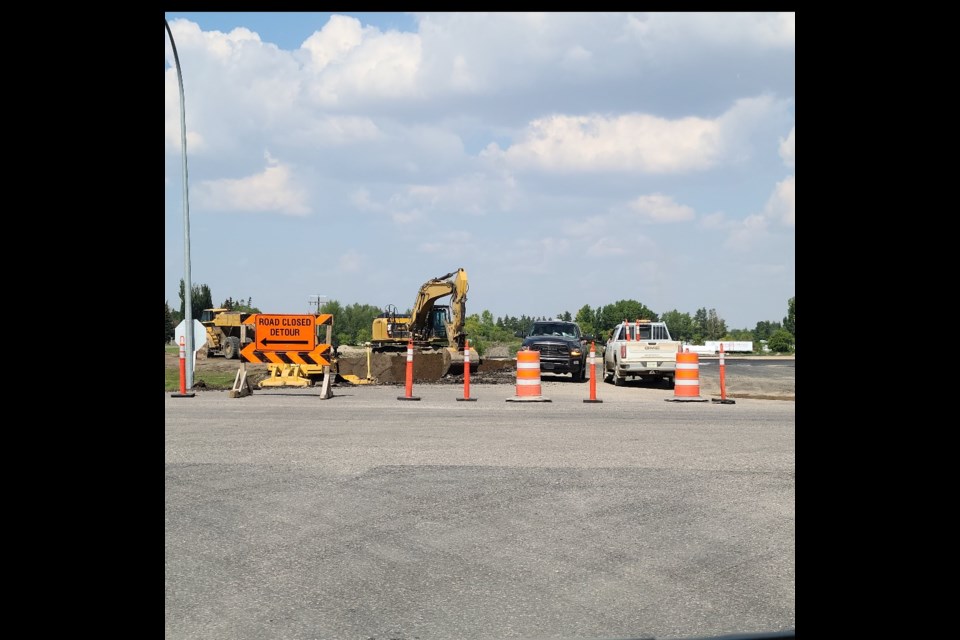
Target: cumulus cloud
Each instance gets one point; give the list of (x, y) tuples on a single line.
[(352, 262), (750, 231), (660, 208), (677, 30), (782, 203), (632, 142), (787, 149), (274, 190), (635, 142), (590, 127), (347, 61)]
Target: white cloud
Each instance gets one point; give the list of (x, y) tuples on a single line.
[(606, 247), (352, 262), (787, 151), (273, 190), (636, 142), (547, 142), (660, 208), (751, 231), (451, 244), (348, 62), (669, 31), (633, 142), (782, 203)]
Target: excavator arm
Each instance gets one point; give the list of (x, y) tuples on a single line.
[(453, 284)]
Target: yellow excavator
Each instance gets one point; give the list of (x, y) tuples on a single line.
[(432, 327)]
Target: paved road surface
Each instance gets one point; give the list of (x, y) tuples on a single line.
[(363, 516)]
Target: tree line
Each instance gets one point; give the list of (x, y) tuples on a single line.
[(353, 323)]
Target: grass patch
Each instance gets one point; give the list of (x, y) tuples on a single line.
[(208, 380)]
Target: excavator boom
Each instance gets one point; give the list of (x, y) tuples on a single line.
[(453, 284)]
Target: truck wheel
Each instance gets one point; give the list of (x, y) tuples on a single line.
[(618, 380), (577, 375), (670, 382), (231, 348)]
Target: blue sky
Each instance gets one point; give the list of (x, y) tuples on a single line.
[(562, 159)]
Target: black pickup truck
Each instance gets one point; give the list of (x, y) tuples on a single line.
[(561, 345)]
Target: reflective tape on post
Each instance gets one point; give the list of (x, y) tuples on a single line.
[(409, 386), (593, 374)]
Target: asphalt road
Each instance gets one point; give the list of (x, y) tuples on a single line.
[(365, 516)]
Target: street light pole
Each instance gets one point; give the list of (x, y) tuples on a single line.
[(187, 285)]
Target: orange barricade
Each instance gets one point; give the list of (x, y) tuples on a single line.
[(686, 386), (528, 377)]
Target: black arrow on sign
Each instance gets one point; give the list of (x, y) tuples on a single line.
[(285, 341)]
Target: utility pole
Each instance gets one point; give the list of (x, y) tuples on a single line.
[(317, 299)]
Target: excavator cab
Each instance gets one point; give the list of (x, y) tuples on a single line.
[(439, 318)]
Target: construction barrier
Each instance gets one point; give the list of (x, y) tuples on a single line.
[(686, 386), (528, 377), (409, 388), (466, 375), (723, 382), (593, 374)]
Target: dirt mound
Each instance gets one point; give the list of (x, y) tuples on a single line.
[(391, 368)]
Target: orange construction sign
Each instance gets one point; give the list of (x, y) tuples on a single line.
[(250, 353), (286, 332)]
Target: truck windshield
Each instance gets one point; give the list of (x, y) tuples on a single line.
[(555, 330)]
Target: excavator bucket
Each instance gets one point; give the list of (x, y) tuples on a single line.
[(455, 361)]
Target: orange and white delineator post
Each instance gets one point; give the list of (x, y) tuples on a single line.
[(686, 382), (183, 371), (183, 364), (528, 377), (409, 391), (593, 374), (466, 375), (723, 382)]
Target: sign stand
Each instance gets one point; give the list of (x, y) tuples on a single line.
[(241, 386)]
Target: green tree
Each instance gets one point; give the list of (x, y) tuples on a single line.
[(789, 322), (781, 342), (585, 318), (240, 305), (200, 299), (715, 327), (352, 324), (700, 325), (681, 325), (169, 329), (621, 310), (764, 330)]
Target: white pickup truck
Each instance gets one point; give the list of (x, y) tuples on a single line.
[(641, 349)]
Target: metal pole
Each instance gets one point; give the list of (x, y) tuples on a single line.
[(187, 285)]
